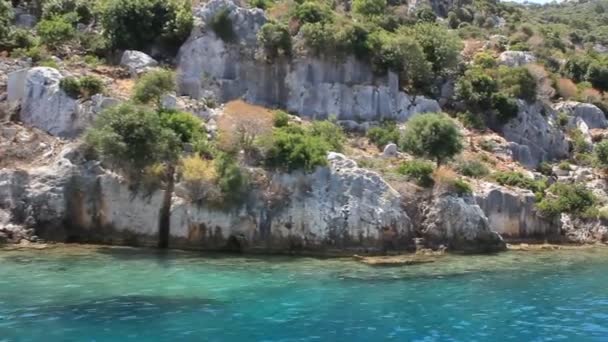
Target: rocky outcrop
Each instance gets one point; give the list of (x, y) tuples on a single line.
[(339, 208), (583, 231), (46, 106), (589, 113), (309, 86), (516, 58), (512, 214), (137, 62), (461, 224), (534, 135)]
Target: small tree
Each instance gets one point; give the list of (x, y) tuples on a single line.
[(275, 39), (6, 16), (433, 136), (369, 7), (601, 153), (153, 85)]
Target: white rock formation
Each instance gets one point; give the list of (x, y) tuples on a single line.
[(460, 223), (590, 113), (308, 86), (137, 62), (516, 58), (534, 135)]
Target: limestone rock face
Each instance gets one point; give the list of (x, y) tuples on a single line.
[(45, 106), (308, 86), (534, 135), (511, 213), (462, 225), (137, 62), (516, 58), (390, 150), (590, 113), (341, 207)]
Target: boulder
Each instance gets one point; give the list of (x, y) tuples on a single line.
[(534, 135), (390, 150), (137, 62), (589, 113), (516, 58), (46, 106), (309, 86), (461, 224), (512, 214)]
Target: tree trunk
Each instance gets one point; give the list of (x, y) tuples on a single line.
[(164, 220)]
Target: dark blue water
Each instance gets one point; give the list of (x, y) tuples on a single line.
[(84, 294)]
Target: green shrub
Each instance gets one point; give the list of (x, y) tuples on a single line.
[(564, 165), (484, 60), (231, 180), (85, 86), (369, 7), (517, 82), (545, 169), (472, 168), (601, 153), (281, 119), (222, 25), (517, 179), (384, 134), (93, 43), (56, 31), (351, 38), (597, 74), (23, 39), (329, 132), (461, 187), (71, 86), (453, 20), (275, 39), (471, 121), (426, 15), (313, 12), (419, 171), (563, 119), (476, 88), (187, 128), (318, 37), (91, 85), (262, 4), (440, 46), (505, 107), (579, 143), (140, 24), (6, 18), (83, 9), (153, 85), (433, 136), (292, 148), (574, 199), (36, 53)]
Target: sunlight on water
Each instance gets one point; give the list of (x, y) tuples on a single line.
[(114, 294)]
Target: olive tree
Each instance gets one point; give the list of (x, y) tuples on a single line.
[(433, 135)]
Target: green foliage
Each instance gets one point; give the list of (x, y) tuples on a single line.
[(440, 46), (401, 54), (141, 24), (506, 107), (519, 180), (262, 4), (453, 20), (545, 169), (369, 7), (601, 153), (231, 180), (472, 168), (484, 60), (476, 88), (84, 86), (132, 138), (426, 15), (433, 136), (275, 39), (222, 25), (318, 36), (281, 119), (329, 132), (153, 85), (420, 171), (576, 67), (187, 128), (471, 121), (597, 74), (293, 148), (517, 82), (579, 143), (56, 31), (82, 8), (6, 17), (567, 198), (461, 187), (313, 12), (384, 134), (23, 39)]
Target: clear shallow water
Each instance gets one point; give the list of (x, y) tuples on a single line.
[(87, 294)]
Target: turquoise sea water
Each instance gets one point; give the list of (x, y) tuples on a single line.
[(88, 294)]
